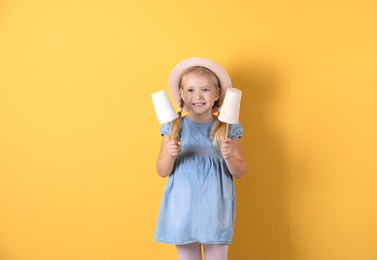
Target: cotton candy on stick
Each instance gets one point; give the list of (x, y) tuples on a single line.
[(230, 109), (164, 109)]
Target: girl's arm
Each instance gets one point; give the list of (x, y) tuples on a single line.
[(168, 153), (231, 151)]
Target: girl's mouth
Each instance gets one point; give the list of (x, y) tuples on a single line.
[(198, 104)]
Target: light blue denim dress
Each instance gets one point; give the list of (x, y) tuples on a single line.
[(198, 204)]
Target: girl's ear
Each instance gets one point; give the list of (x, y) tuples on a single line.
[(180, 92), (217, 96)]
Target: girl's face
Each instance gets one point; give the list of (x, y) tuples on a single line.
[(199, 93)]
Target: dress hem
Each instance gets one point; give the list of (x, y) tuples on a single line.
[(226, 242)]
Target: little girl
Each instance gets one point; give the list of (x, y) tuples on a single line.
[(198, 204)]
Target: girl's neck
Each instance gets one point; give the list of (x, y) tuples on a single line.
[(201, 118)]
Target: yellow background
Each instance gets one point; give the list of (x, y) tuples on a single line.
[(79, 135)]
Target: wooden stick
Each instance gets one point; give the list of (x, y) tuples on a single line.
[(170, 124), (172, 135), (226, 130)]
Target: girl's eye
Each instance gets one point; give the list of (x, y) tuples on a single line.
[(206, 90), (190, 90)]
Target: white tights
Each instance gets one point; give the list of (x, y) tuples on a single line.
[(194, 252)]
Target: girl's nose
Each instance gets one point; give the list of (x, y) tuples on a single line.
[(198, 95)]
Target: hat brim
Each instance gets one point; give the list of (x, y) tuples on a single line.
[(176, 74)]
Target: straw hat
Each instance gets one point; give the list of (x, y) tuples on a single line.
[(176, 74)]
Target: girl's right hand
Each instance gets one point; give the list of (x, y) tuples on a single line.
[(173, 148)]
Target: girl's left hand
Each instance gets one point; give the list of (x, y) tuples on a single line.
[(227, 148)]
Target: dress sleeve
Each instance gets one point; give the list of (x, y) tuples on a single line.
[(164, 129), (236, 130)]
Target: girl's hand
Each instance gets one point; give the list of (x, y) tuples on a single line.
[(169, 151), (173, 148), (227, 148), (231, 151)]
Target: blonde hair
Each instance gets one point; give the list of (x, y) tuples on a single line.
[(219, 128)]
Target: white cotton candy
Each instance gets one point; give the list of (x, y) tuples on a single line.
[(230, 109), (164, 109)]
